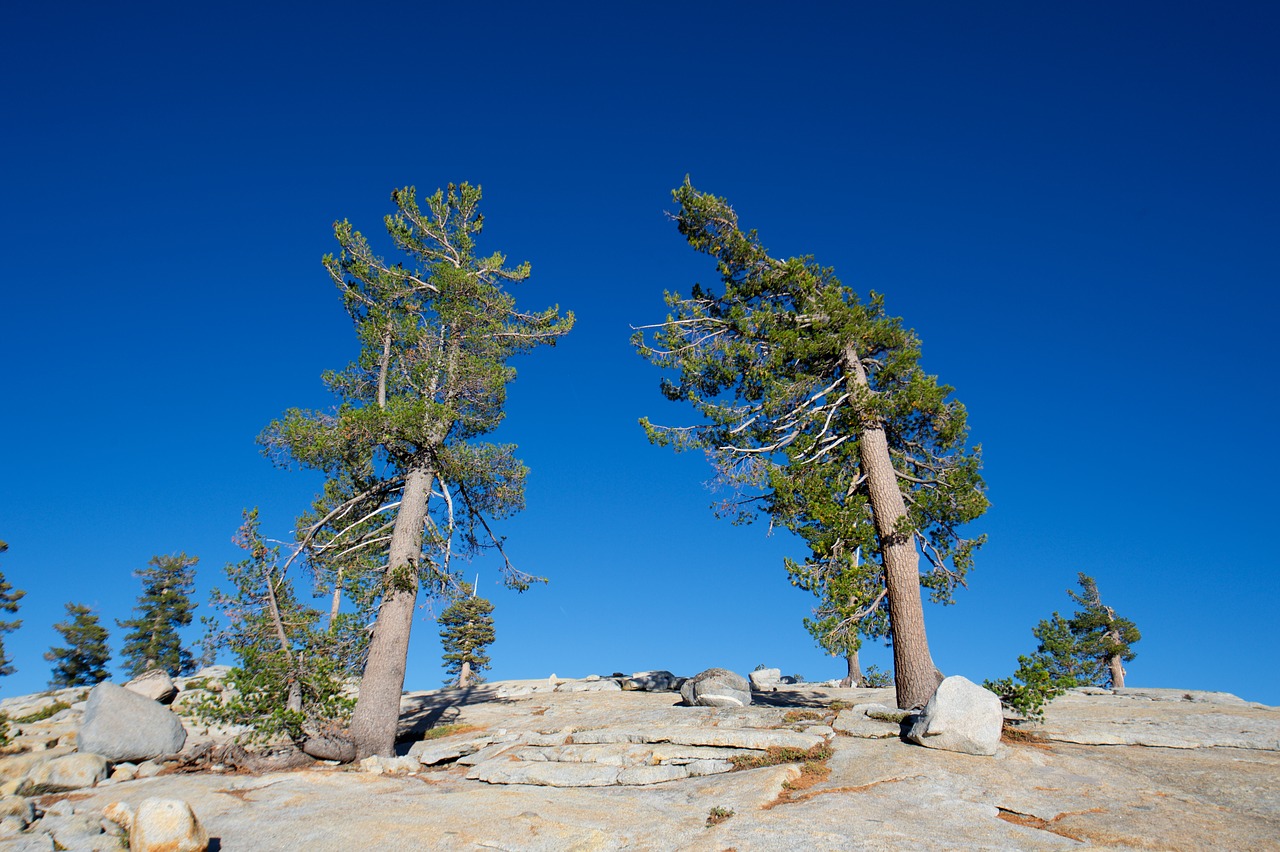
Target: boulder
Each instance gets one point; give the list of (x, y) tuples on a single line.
[(654, 681), (166, 825), (330, 747), (72, 772), (764, 680), (18, 808), (961, 716), (716, 688), (121, 725), (154, 684)]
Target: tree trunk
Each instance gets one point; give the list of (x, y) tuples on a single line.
[(377, 713), (854, 677), (1117, 672), (915, 676), (464, 677)]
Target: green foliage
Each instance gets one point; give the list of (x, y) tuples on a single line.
[(83, 662), (874, 678), (1071, 652), (292, 685), (435, 334), (718, 814), (163, 608), (771, 358), (9, 597), (466, 632)]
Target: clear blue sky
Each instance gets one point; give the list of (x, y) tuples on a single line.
[(1077, 206)]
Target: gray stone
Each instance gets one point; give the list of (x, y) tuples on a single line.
[(961, 716), (432, 752), (716, 688), (545, 773), (148, 769), (641, 776), (78, 831), (40, 841), (18, 808), (121, 725), (857, 721), (764, 680), (72, 772), (166, 825), (596, 685), (653, 681), (154, 684)]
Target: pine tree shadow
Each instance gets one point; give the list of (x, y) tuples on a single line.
[(440, 707)]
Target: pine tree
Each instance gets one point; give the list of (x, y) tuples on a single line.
[(467, 631), (84, 661), (430, 381), (9, 597), (290, 673), (817, 412), (163, 608), (1103, 638)]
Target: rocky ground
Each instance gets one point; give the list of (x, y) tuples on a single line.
[(562, 764)]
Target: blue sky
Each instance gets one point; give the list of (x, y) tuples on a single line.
[(1076, 207)]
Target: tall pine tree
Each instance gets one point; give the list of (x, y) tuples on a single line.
[(83, 662), (164, 607), (436, 334), (815, 410), (9, 597)]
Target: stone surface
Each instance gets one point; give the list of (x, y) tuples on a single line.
[(17, 807), (856, 722), (881, 794), (166, 825), (961, 716), (121, 725), (1170, 718), (71, 772), (155, 684), (716, 688), (765, 680)]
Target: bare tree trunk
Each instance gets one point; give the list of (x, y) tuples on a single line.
[(1117, 672), (915, 676), (854, 677), (337, 600), (377, 713), (464, 677)]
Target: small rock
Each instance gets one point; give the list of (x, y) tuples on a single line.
[(166, 825), (716, 688), (17, 807), (764, 680), (124, 772), (11, 825), (119, 813), (961, 716), (72, 772), (154, 684), (148, 769), (432, 752)]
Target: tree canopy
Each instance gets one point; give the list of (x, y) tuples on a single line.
[(815, 410), (466, 632)]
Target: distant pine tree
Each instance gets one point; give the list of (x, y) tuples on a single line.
[(9, 597), (1103, 638), (84, 661), (163, 608), (468, 631)]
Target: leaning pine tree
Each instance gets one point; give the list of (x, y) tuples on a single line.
[(163, 608), (435, 334), (816, 410), (467, 630)]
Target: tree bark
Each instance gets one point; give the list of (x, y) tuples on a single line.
[(377, 713), (854, 677), (1117, 672), (464, 677), (915, 676)]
